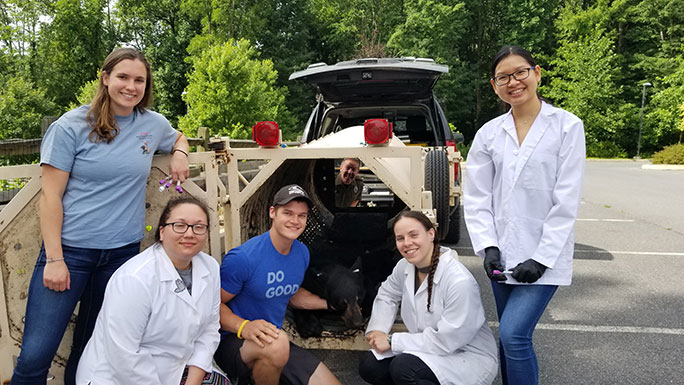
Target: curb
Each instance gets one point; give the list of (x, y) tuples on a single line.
[(624, 160), (678, 167)]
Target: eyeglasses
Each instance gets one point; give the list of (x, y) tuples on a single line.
[(521, 74), (181, 228)]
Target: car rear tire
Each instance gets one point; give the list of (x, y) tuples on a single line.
[(437, 181)]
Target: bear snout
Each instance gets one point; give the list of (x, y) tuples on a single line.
[(352, 316)]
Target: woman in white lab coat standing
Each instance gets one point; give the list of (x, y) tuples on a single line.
[(448, 341), (522, 192), (159, 322)]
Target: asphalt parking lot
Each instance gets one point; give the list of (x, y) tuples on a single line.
[(622, 319)]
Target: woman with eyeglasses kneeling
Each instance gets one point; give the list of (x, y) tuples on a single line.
[(448, 341), (159, 321)]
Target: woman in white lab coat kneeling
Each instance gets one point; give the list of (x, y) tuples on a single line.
[(160, 316), (448, 341)]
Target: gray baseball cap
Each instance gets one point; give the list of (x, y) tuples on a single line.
[(290, 192)]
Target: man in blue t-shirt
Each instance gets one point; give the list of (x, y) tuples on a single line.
[(258, 280)]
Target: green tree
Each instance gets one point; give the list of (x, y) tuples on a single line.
[(530, 24), (292, 41), (162, 29), (71, 48), (681, 123), (582, 81), (86, 93), (434, 29), (20, 26), (662, 121), (22, 107), (346, 24), (230, 89)]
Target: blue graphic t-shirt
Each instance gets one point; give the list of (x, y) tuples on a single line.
[(262, 279)]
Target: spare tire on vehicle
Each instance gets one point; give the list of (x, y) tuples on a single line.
[(437, 181), (454, 233)]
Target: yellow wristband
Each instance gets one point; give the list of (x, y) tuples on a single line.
[(239, 333)]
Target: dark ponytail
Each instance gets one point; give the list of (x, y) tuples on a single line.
[(433, 267)]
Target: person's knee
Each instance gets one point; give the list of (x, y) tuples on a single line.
[(404, 369), (513, 338), (33, 359), (277, 352), (323, 376), (32, 367), (368, 368), (401, 369)]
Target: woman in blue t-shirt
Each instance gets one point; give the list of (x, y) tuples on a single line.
[(95, 161)]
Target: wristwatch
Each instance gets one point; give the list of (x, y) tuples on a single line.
[(389, 339)]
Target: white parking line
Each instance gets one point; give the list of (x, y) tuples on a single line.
[(654, 253), (604, 329), (603, 220), (631, 252)]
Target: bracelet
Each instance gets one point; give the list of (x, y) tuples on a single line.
[(49, 260), (179, 150), (239, 333)]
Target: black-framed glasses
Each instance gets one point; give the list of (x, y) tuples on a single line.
[(181, 228), (521, 74)]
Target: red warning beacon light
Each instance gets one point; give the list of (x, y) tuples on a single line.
[(377, 131), (266, 134)]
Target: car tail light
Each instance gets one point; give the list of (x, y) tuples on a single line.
[(453, 143), (266, 134), (377, 131)]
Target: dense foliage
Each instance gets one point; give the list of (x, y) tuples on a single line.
[(229, 87), (224, 63), (673, 154)]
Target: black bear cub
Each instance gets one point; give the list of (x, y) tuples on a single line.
[(342, 287)]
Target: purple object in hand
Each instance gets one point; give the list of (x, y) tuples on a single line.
[(178, 187), (496, 272)]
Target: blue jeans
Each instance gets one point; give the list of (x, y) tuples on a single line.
[(519, 308), (48, 312)]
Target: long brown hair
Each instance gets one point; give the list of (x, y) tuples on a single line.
[(434, 261), (100, 115)]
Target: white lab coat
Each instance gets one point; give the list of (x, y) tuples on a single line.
[(149, 329), (524, 199), (454, 339)]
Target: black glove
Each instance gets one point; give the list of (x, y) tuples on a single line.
[(529, 271), (492, 261)]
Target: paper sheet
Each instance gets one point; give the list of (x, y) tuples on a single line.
[(381, 356)]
